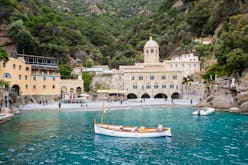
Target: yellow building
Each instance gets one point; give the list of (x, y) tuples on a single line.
[(30, 75)]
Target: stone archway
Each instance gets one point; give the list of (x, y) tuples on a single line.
[(63, 89), (145, 95), (15, 89), (176, 95), (71, 90), (79, 91), (132, 96), (161, 95)]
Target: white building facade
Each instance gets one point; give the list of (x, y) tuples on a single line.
[(188, 63), (152, 79)]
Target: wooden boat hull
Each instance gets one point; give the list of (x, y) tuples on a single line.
[(118, 131)]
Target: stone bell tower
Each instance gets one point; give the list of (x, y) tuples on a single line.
[(151, 52)]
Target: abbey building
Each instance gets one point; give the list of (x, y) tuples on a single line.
[(154, 79)]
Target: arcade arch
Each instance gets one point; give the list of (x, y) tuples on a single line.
[(63, 89), (161, 95), (79, 91), (175, 95), (132, 96), (145, 95)]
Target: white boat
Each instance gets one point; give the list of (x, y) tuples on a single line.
[(126, 131), (204, 111), (5, 116)]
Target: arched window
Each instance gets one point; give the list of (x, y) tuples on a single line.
[(134, 86), (148, 86), (152, 77), (132, 77), (156, 85), (163, 77), (140, 77), (164, 85), (6, 75)]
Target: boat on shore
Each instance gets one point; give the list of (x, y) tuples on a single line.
[(5, 117), (130, 132), (204, 111)]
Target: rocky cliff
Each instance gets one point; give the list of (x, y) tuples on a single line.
[(5, 41), (229, 97)]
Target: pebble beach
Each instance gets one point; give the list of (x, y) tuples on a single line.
[(97, 105)]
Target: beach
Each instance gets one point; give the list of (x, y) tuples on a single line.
[(98, 105)]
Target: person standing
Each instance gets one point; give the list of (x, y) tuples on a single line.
[(59, 104), (160, 128)]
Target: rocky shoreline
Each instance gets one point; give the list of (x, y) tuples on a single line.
[(229, 98)]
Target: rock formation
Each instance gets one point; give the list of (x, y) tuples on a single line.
[(229, 98)]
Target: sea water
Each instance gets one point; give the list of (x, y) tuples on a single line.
[(68, 138)]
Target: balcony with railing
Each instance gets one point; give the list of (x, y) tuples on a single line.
[(47, 63)]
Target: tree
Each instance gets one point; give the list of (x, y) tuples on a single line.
[(214, 70), (237, 60), (15, 28), (231, 49), (25, 41), (88, 62), (4, 84), (120, 60), (96, 56), (203, 50), (4, 55), (87, 77), (65, 71)]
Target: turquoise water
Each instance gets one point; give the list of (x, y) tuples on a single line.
[(68, 138)]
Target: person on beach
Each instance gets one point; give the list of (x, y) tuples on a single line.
[(59, 104)]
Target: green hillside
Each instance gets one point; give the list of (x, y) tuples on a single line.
[(113, 32)]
